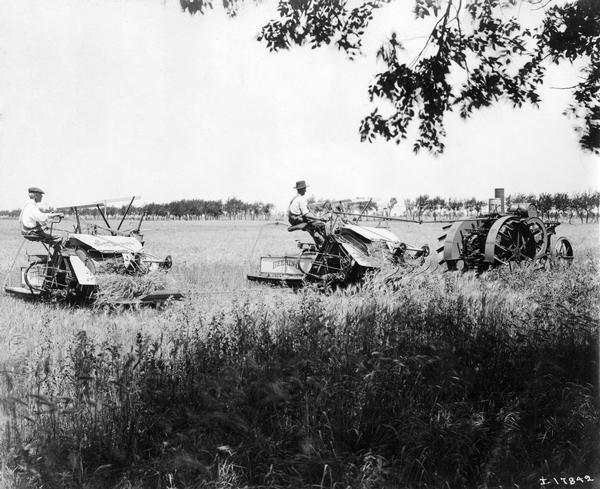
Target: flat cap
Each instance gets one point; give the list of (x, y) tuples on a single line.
[(36, 190)]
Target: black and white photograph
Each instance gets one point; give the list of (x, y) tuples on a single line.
[(312, 244)]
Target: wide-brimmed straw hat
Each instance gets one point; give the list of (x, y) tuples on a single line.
[(300, 184)]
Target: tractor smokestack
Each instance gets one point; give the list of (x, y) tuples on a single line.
[(499, 194)]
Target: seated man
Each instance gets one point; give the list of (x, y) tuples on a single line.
[(298, 213), (33, 220)]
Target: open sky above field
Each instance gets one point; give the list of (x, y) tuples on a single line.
[(105, 98)]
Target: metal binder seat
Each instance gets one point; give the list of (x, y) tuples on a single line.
[(47, 240), (33, 237), (298, 227)]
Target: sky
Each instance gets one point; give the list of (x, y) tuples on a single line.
[(108, 98)]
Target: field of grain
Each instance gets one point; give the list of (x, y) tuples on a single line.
[(445, 381)]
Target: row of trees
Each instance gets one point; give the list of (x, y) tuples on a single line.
[(213, 209), (231, 208), (583, 205)]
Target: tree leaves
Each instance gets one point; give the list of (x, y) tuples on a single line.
[(318, 23), (572, 32), (497, 57)]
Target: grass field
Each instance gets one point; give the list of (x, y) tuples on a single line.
[(447, 381)]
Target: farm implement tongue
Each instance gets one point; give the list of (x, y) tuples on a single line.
[(151, 299)]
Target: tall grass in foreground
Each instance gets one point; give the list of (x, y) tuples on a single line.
[(447, 381)]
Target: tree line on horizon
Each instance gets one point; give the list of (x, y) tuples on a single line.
[(211, 209), (582, 205)]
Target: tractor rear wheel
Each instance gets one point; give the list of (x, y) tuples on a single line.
[(509, 241)]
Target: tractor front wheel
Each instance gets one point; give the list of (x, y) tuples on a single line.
[(562, 252)]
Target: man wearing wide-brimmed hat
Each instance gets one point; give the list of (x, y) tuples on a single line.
[(33, 219), (299, 213)]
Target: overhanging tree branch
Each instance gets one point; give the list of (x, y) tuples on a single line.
[(509, 59)]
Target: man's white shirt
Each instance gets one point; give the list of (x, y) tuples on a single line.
[(31, 215), (299, 205)]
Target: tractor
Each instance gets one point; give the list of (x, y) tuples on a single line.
[(516, 235)]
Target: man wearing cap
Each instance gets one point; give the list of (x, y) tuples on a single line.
[(33, 219), (299, 213)]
